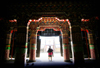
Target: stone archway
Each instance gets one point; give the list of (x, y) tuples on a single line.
[(49, 23)]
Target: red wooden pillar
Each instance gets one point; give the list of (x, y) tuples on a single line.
[(32, 46), (65, 37), (91, 45), (77, 44), (8, 43), (66, 47)]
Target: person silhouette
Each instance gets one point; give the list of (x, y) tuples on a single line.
[(50, 53)]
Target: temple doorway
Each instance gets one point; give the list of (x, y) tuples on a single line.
[(54, 42), (47, 26)]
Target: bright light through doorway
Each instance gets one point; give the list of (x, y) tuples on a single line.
[(54, 42), (50, 41)]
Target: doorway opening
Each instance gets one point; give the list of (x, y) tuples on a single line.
[(54, 42)]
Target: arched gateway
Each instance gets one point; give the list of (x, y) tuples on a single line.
[(49, 23)]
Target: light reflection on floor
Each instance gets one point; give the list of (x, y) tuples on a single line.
[(44, 58)]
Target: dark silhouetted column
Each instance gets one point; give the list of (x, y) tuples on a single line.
[(21, 46), (38, 47), (3, 36), (77, 44), (61, 48)]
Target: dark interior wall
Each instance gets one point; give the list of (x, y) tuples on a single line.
[(13, 9)]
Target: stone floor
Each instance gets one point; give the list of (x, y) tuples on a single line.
[(57, 62), (44, 58)]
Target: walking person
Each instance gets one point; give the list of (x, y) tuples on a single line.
[(50, 53)]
